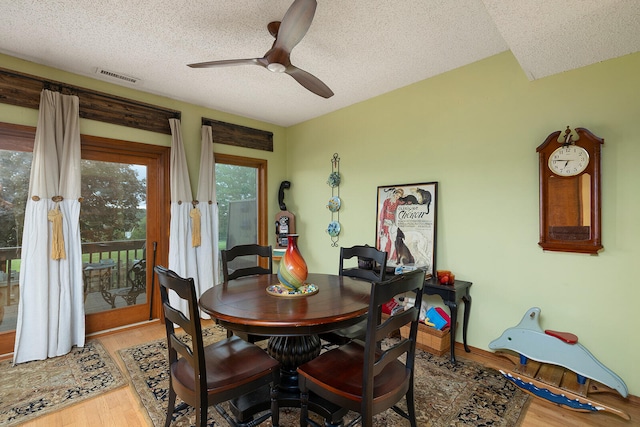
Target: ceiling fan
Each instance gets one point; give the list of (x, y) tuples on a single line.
[(288, 33)]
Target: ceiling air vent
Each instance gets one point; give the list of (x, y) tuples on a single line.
[(118, 76)]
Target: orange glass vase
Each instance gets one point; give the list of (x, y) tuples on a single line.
[(292, 272)]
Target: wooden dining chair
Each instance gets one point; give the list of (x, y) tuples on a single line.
[(245, 251), (241, 253), (371, 267), (370, 380), (375, 261), (207, 376)]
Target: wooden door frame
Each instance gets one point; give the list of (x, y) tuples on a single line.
[(112, 150), (18, 137)]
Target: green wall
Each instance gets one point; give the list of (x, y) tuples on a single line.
[(474, 130)]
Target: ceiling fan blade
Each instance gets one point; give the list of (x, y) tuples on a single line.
[(309, 81), (288, 33), (229, 63), (295, 24)]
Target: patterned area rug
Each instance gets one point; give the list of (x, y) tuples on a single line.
[(31, 389), (464, 394)]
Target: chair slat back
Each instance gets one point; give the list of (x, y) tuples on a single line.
[(243, 251), (375, 358), (184, 288), (366, 253)]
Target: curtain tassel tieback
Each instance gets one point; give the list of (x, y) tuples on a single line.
[(57, 238), (195, 225)]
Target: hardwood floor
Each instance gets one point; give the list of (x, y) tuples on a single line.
[(122, 408)]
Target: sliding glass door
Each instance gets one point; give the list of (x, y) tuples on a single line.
[(124, 213)]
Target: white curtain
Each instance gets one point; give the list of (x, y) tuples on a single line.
[(51, 309), (193, 233), (207, 252), (182, 255)]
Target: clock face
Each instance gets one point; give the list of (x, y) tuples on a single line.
[(568, 160)]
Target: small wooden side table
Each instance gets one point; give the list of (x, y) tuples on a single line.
[(452, 295)]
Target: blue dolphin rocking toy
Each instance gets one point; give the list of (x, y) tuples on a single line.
[(554, 366)]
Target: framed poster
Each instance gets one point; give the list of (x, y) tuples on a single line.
[(406, 225)]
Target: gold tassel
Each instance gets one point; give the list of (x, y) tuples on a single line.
[(195, 227), (57, 239)]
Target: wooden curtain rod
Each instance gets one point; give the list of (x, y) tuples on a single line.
[(239, 136), (24, 90)]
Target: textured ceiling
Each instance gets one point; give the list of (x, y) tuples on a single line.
[(359, 48)]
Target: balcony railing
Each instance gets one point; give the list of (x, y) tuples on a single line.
[(122, 253), (9, 274), (119, 255)]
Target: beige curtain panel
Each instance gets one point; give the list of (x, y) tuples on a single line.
[(51, 308)]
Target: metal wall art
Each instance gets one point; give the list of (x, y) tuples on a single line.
[(333, 229)]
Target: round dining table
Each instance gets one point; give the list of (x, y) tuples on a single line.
[(293, 323)]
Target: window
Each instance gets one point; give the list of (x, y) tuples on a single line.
[(242, 205)]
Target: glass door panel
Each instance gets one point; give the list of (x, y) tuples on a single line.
[(14, 188), (113, 231), (236, 193)]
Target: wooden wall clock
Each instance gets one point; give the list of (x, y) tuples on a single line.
[(570, 192)]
